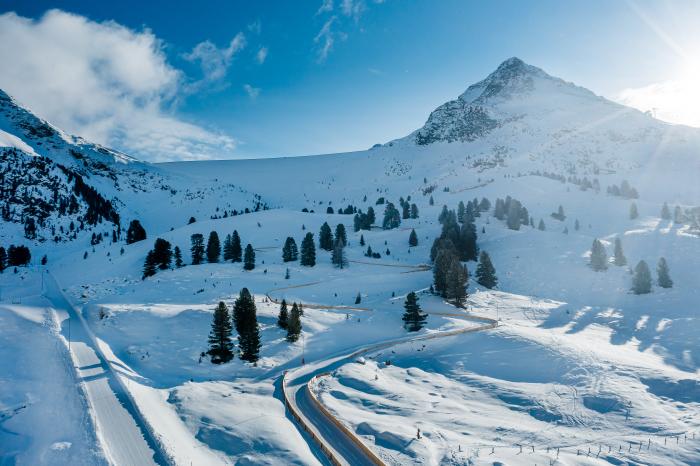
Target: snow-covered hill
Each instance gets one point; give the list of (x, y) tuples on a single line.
[(520, 132)]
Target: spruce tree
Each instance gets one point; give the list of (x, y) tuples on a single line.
[(340, 233), (619, 258), (457, 277), (178, 257), (228, 248), (486, 272), (371, 217), (308, 251), (338, 257), (197, 249), (294, 326), (641, 282), (414, 211), (3, 259), (362, 240), (665, 212), (443, 261), (135, 232), (283, 316), (325, 237), (413, 238), (162, 255), (236, 249), (220, 344), (392, 218), (413, 317), (540, 226), (514, 218), (249, 258), (662, 273), (290, 251), (634, 213), (246, 322), (599, 258), (678, 216), (460, 211), (213, 248), (358, 298), (149, 265)]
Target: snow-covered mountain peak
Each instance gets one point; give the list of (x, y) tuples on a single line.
[(513, 76)]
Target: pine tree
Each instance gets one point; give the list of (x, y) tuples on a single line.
[(641, 282), (283, 317), (340, 233), (460, 211), (135, 232), (619, 258), (162, 255), (457, 277), (413, 238), (663, 276), (468, 249), (414, 211), (634, 213), (405, 211), (431, 201), (289, 251), (540, 226), (3, 259), (358, 298), (213, 248), (392, 218), (678, 216), (371, 217), (149, 266), (308, 251), (443, 261), (514, 218), (599, 258), (325, 237), (249, 258), (338, 256), (486, 272), (220, 344), (413, 317), (362, 240), (294, 326), (197, 248), (236, 249), (665, 212), (246, 322), (228, 248), (178, 257)]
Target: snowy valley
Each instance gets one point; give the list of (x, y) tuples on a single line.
[(574, 357)]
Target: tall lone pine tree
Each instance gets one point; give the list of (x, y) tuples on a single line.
[(249, 258), (294, 325), (486, 272), (197, 248), (213, 248), (599, 258), (246, 322), (308, 251), (220, 344), (413, 317)]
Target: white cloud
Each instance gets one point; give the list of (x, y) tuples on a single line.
[(673, 101), (253, 92), (261, 56), (353, 8), (255, 27), (105, 82), (325, 39), (215, 61), (326, 7)]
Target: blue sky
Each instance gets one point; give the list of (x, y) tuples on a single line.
[(223, 79)]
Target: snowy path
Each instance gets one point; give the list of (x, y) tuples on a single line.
[(343, 445), (124, 438)]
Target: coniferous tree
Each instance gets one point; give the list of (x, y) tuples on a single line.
[(3, 259), (413, 317), (457, 277), (678, 216), (283, 316), (414, 211), (641, 282), (178, 257), (358, 298), (540, 226), (619, 258), (431, 201), (249, 258), (338, 257), (149, 266), (197, 249), (325, 237), (413, 238), (246, 322), (665, 212), (441, 269), (289, 251), (662, 273), (228, 248), (405, 211), (362, 240), (135, 232), (220, 344), (599, 258), (468, 249), (486, 272), (392, 218), (340, 233), (162, 254), (460, 211), (308, 251), (514, 217), (21, 255), (236, 249), (294, 326), (213, 248), (577, 225), (371, 217), (634, 213)]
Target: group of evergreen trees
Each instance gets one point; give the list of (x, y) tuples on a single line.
[(408, 210), (245, 322), (363, 221), (328, 242), (15, 256), (462, 239), (513, 212), (290, 321), (392, 217), (641, 280), (624, 190), (160, 257), (232, 247), (472, 209), (135, 232)]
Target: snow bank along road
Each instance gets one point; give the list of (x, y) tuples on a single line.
[(125, 438), (338, 442)]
